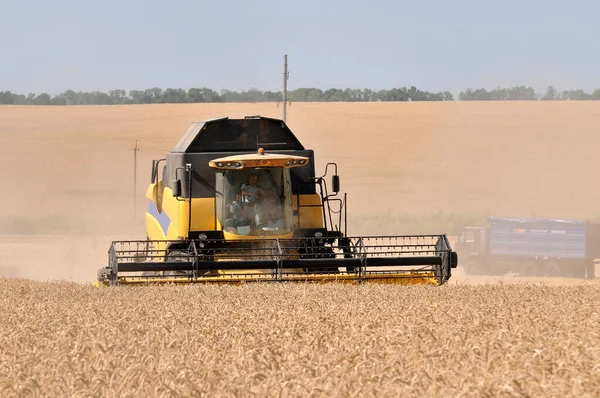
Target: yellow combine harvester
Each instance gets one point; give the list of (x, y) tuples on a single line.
[(237, 200)]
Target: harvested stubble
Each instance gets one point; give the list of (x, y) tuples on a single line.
[(59, 338)]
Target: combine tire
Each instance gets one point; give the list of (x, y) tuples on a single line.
[(318, 252), (175, 257)]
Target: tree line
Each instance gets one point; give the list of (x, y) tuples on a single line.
[(199, 95), (523, 93), (204, 95)]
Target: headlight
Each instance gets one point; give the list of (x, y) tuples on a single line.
[(202, 237), (319, 234)]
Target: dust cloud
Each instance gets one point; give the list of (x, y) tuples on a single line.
[(68, 171)]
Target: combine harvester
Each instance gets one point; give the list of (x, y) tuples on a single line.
[(237, 200)]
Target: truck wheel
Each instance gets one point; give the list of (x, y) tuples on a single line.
[(528, 268), (578, 271), (473, 268), (591, 271), (552, 269), (469, 269)]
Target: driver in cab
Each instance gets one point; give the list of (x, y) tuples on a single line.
[(261, 193), (251, 191)]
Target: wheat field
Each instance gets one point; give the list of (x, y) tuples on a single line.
[(408, 167), (66, 339)]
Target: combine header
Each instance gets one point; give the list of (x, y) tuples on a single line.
[(225, 210)]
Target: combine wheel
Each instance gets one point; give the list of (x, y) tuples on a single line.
[(315, 251), (177, 256), (349, 252)]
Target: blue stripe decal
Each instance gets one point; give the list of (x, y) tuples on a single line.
[(162, 218)]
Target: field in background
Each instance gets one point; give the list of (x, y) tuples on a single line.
[(407, 167)]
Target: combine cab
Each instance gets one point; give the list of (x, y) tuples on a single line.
[(237, 200)]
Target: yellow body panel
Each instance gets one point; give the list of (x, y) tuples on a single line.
[(170, 219), (310, 217), (203, 214)]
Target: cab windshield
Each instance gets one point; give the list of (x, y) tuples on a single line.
[(255, 201)]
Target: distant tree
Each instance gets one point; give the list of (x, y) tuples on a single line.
[(195, 95), (42, 99), (447, 96), (480, 94), (499, 94), (306, 95), (135, 96), (69, 97), (174, 96), (333, 95), (153, 95), (229, 96), (6, 98), (466, 95), (551, 94), (521, 93), (575, 95), (518, 93), (118, 96), (211, 95), (58, 100), (469, 94)]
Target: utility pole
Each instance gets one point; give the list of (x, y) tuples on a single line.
[(286, 76), (135, 151)]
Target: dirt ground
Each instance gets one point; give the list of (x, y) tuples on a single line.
[(67, 172)]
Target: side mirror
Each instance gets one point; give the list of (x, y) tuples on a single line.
[(176, 187), (154, 172), (335, 182)]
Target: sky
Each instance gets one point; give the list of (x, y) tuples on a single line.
[(52, 46)]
